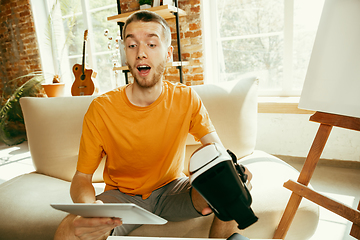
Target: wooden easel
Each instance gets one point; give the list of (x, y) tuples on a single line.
[(299, 189)]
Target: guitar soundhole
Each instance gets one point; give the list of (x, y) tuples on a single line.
[(82, 77), (76, 68)]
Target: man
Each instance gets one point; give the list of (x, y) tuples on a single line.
[(142, 128)]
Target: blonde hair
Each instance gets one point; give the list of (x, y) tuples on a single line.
[(147, 16)]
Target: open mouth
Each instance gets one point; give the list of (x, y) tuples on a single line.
[(143, 69)]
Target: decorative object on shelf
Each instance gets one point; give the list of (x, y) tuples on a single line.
[(12, 128), (167, 12), (117, 53), (145, 4)]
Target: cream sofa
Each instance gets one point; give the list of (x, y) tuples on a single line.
[(53, 128)]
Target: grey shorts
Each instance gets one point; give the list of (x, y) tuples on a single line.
[(172, 202)]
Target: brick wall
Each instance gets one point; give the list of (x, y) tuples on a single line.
[(190, 39), (19, 53)]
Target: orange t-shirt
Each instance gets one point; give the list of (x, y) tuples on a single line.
[(145, 146)]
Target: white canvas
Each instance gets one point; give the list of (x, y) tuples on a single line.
[(332, 83)]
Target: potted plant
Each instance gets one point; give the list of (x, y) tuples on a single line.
[(12, 128), (54, 89), (144, 4)]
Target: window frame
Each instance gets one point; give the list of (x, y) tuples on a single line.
[(48, 57), (212, 47)]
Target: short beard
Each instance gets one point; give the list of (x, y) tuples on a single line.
[(159, 71)]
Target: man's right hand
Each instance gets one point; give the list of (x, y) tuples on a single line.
[(94, 228)]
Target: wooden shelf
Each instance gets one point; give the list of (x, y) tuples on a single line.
[(169, 64), (165, 11)]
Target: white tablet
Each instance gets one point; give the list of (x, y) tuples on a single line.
[(128, 212)]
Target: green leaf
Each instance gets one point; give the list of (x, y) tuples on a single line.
[(12, 127)]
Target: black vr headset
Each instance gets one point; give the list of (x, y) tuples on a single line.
[(216, 175)]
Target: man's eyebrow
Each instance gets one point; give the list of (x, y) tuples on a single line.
[(129, 36), (153, 35), (148, 35)]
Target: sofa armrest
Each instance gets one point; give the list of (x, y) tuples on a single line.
[(232, 107)]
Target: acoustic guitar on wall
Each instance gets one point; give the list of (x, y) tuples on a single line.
[(83, 84)]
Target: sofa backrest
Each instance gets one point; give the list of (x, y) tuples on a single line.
[(53, 129), (54, 125)]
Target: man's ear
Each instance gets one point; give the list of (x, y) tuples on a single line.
[(169, 53)]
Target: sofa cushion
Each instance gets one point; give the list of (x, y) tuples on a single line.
[(269, 202), (53, 128), (25, 206)]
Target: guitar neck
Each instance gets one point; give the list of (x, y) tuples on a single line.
[(83, 59)]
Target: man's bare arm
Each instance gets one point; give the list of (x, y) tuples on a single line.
[(77, 227), (82, 190)]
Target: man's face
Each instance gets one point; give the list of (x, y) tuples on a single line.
[(146, 52)]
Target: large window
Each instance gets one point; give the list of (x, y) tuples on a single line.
[(70, 19), (271, 39)]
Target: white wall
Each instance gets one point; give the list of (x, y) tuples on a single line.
[(293, 134)]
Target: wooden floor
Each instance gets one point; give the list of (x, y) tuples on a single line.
[(341, 184)]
